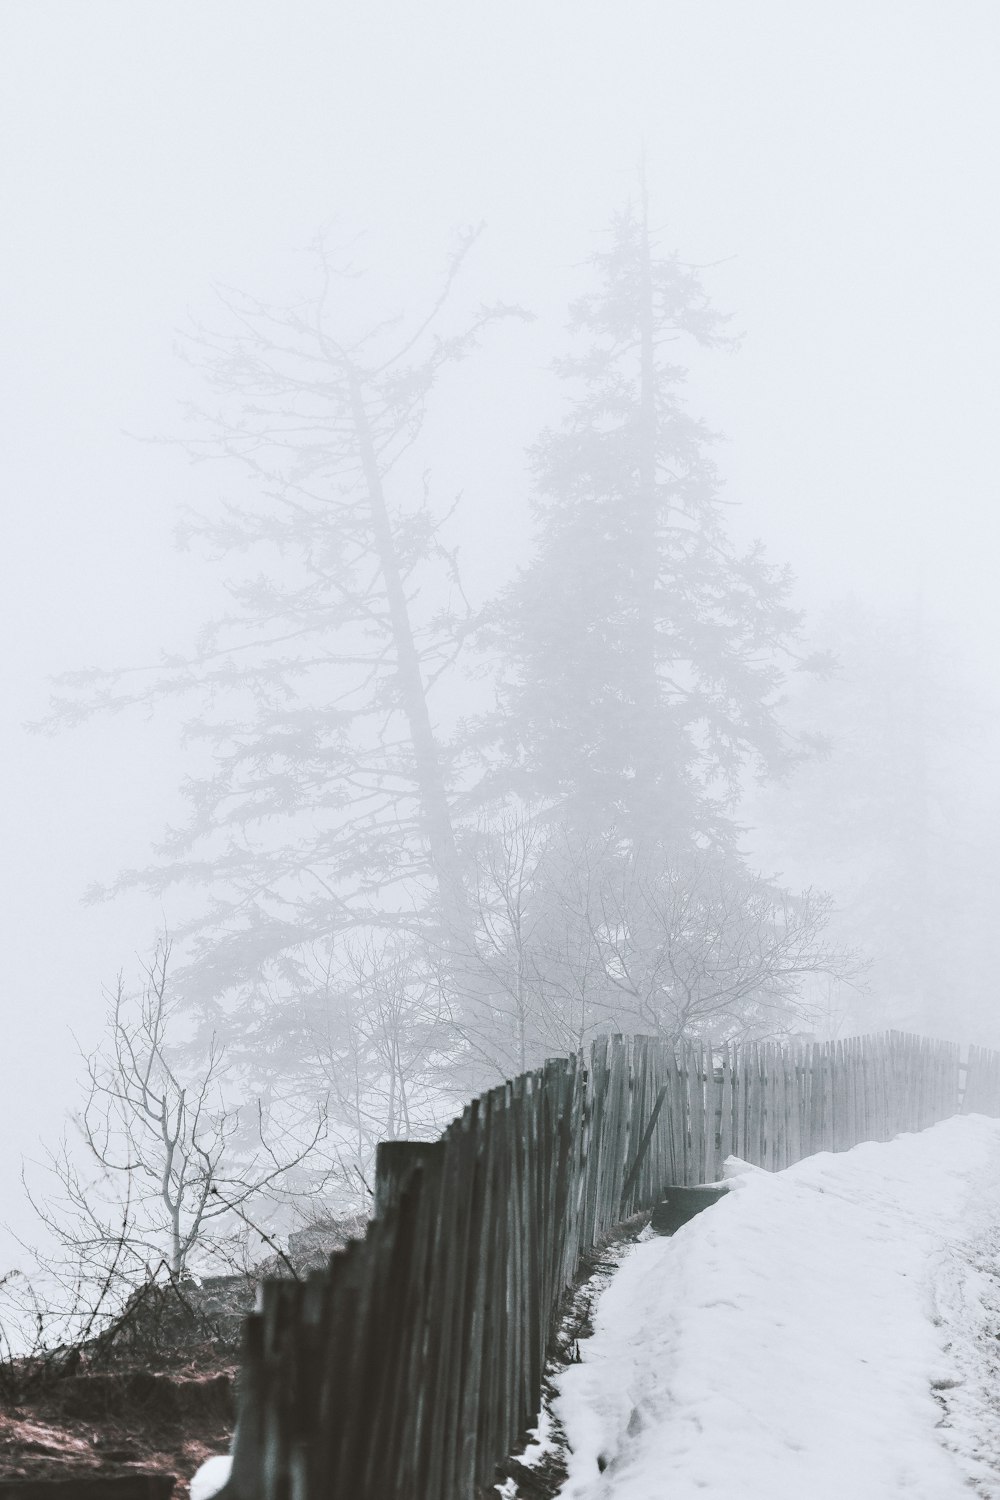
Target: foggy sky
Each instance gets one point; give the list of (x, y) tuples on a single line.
[(835, 164)]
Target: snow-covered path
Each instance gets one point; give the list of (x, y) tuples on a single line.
[(828, 1331)]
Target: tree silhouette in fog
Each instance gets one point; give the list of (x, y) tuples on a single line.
[(644, 649), (394, 916), (327, 805)]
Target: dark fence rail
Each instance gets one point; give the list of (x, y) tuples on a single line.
[(413, 1365)]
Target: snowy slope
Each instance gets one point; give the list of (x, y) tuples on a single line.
[(826, 1331)]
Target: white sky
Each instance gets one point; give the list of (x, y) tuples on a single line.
[(838, 160)]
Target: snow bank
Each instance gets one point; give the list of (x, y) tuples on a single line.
[(795, 1339), (211, 1477)]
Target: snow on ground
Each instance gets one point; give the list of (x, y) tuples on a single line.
[(211, 1477), (831, 1330)]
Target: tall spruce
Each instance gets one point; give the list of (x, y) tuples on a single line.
[(643, 647)]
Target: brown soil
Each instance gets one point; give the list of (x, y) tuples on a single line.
[(154, 1393), (108, 1425)]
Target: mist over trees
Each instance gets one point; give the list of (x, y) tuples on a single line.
[(436, 446), (328, 808), (403, 902), (642, 656), (645, 650), (886, 820)]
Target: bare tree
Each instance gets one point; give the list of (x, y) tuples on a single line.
[(576, 937), (376, 1042), (699, 946), (495, 1003), (165, 1170), (530, 986)]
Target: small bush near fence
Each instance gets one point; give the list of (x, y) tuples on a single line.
[(413, 1364)]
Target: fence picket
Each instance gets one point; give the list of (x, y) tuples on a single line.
[(726, 1142)]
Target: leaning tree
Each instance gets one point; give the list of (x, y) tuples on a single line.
[(327, 809)]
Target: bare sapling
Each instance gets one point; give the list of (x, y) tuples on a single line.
[(164, 1174)]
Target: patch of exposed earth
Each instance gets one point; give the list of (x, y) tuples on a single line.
[(110, 1425)]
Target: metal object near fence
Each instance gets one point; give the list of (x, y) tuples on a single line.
[(412, 1365)]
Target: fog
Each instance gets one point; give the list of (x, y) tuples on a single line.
[(832, 172)]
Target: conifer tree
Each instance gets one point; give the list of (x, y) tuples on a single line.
[(643, 648)]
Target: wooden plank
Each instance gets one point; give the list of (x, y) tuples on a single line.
[(815, 1098), (713, 1117), (469, 1382), (660, 1166), (632, 1175), (786, 1085), (739, 1103), (696, 1109), (855, 1094), (796, 1102), (878, 1120), (726, 1149), (755, 1107), (858, 1126), (838, 1093), (597, 1089), (847, 1125), (450, 1296), (678, 1119), (408, 1393), (771, 1111)]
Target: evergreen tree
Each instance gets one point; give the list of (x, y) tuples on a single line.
[(327, 808), (643, 655), (642, 646)]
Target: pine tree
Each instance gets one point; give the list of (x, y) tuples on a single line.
[(642, 647)]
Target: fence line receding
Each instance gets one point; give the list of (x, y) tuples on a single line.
[(412, 1365)]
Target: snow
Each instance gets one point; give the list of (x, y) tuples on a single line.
[(828, 1330), (211, 1477), (541, 1441)]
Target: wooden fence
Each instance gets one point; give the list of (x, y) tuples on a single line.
[(413, 1365)]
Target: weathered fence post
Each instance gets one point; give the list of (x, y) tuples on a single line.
[(394, 1161)]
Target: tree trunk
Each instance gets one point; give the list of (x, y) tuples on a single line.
[(435, 811)]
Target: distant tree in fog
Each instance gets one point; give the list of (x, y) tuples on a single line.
[(643, 655), (369, 1031), (695, 945), (580, 936), (643, 648), (328, 806), (395, 916)]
